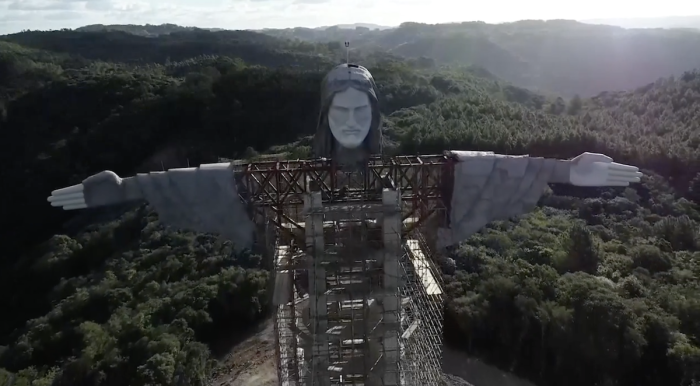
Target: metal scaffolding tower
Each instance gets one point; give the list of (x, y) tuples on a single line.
[(358, 298)]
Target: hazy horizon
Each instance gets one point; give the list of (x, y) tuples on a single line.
[(18, 15)]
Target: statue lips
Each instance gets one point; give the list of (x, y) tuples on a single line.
[(352, 131)]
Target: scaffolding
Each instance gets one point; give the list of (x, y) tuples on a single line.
[(358, 298)]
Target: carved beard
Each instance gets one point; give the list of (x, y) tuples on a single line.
[(350, 160)]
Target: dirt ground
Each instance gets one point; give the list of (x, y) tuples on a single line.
[(251, 362)]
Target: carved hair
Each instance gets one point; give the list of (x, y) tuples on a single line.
[(338, 80)]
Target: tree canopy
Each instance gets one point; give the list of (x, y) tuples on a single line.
[(595, 287)]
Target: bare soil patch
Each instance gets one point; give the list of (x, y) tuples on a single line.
[(251, 362)]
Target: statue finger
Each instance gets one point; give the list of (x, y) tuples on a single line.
[(622, 167), (74, 201), (75, 206), (623, 179), (625, 174), (64, 197), (68, 190)]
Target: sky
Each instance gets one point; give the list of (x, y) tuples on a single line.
[(17, 15)]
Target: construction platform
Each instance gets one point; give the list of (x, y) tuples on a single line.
[(357, 296)]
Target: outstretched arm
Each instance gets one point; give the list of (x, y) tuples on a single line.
[(488, 186), (203, 199)]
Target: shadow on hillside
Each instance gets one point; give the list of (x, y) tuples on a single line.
[(228, 340), (476, 372)]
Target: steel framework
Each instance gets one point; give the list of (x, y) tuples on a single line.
[(277, 188), (358, 298)]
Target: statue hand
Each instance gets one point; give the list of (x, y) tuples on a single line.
[(103, 188), (594, 169)]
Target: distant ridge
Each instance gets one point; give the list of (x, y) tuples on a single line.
[(165, 29), (355, 25), (651, 22), (142, 30)]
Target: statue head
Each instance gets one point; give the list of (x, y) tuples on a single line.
[(349, 125), (350, 117)]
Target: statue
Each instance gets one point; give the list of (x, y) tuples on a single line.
[(349, 124), (484, 186)]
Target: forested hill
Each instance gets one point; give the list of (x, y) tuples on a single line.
[(142, 30), (119, 46), (539, 55), (562, 56), (595, 287)]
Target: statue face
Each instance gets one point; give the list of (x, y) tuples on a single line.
[(350, 117)]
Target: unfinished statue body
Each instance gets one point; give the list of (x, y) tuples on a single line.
[(484, 186)]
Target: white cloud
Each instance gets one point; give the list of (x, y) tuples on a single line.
[(99, 5), (24, 5), (65, 15), (16, 15)]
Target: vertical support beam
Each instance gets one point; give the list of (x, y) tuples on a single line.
[(391, 200), (318, 358)]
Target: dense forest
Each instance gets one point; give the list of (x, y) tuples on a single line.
[(564, 57), (595, 287)]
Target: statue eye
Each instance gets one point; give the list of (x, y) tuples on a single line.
[(339, 113), (362, 114)]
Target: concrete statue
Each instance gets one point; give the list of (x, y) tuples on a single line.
[(485, 186), (350, 124)]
